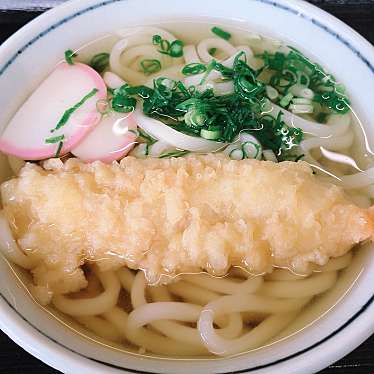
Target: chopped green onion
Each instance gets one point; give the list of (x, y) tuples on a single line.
[(193, 69), (266, 105), (292, 72), (302, 91), (209, 68), (65, 117), (221, 33), (55, 139), (334, 101), (100, 62), (69, 54), (303, 78), (212, 51), (150, 66), (123, 104), (173, 49), (165, 46), (123, 90), (146, 149), (284, 83), (286, 100), (110, 91), (288, 73), (176, 48), (156, 39), (236, 154), (200, 112), (231, 147), (251, 150), (307, 93), (59, 148), (195, 118), (246, 85), (168, 83), (212, 133), (162, 43), (173, 154)]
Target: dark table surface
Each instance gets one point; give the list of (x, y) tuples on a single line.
[(359, 14)]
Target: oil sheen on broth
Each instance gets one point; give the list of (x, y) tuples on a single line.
[(242, 96)]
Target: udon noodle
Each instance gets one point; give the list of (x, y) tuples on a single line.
[(195, 315), (198, 314)]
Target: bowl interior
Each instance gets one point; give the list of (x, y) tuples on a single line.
[(319, 36)]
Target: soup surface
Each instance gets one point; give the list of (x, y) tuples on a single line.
[(192, 191)]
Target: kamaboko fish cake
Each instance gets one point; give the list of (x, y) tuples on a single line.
[(171, 216)]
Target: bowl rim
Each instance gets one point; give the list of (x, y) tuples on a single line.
[(38, 344)]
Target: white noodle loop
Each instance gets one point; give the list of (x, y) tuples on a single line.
[(149, 313), (223, 285), (9, 247), (252, 339), (92, 306), (136, 45), (207, 44), (312, 286)]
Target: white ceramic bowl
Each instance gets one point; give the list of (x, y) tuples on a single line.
[(33, 51)]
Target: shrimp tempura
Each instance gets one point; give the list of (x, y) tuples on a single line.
[(169, 216)]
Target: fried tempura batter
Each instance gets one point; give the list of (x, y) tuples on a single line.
[(168, 216)]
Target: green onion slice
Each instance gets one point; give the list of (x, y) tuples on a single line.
[(176, 153), (251, 149), (55, 139), (212, 51), (123, 104), (59, 148), (194, 68), (165, 46), (176, 48), (286, 100), (236, 154), (100, 62), (69, 55), (221, 33), (271, 92), (212, 133), (150, 66), (156, 39), (65, 117)]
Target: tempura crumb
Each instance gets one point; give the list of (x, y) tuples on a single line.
[(170, 216)]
